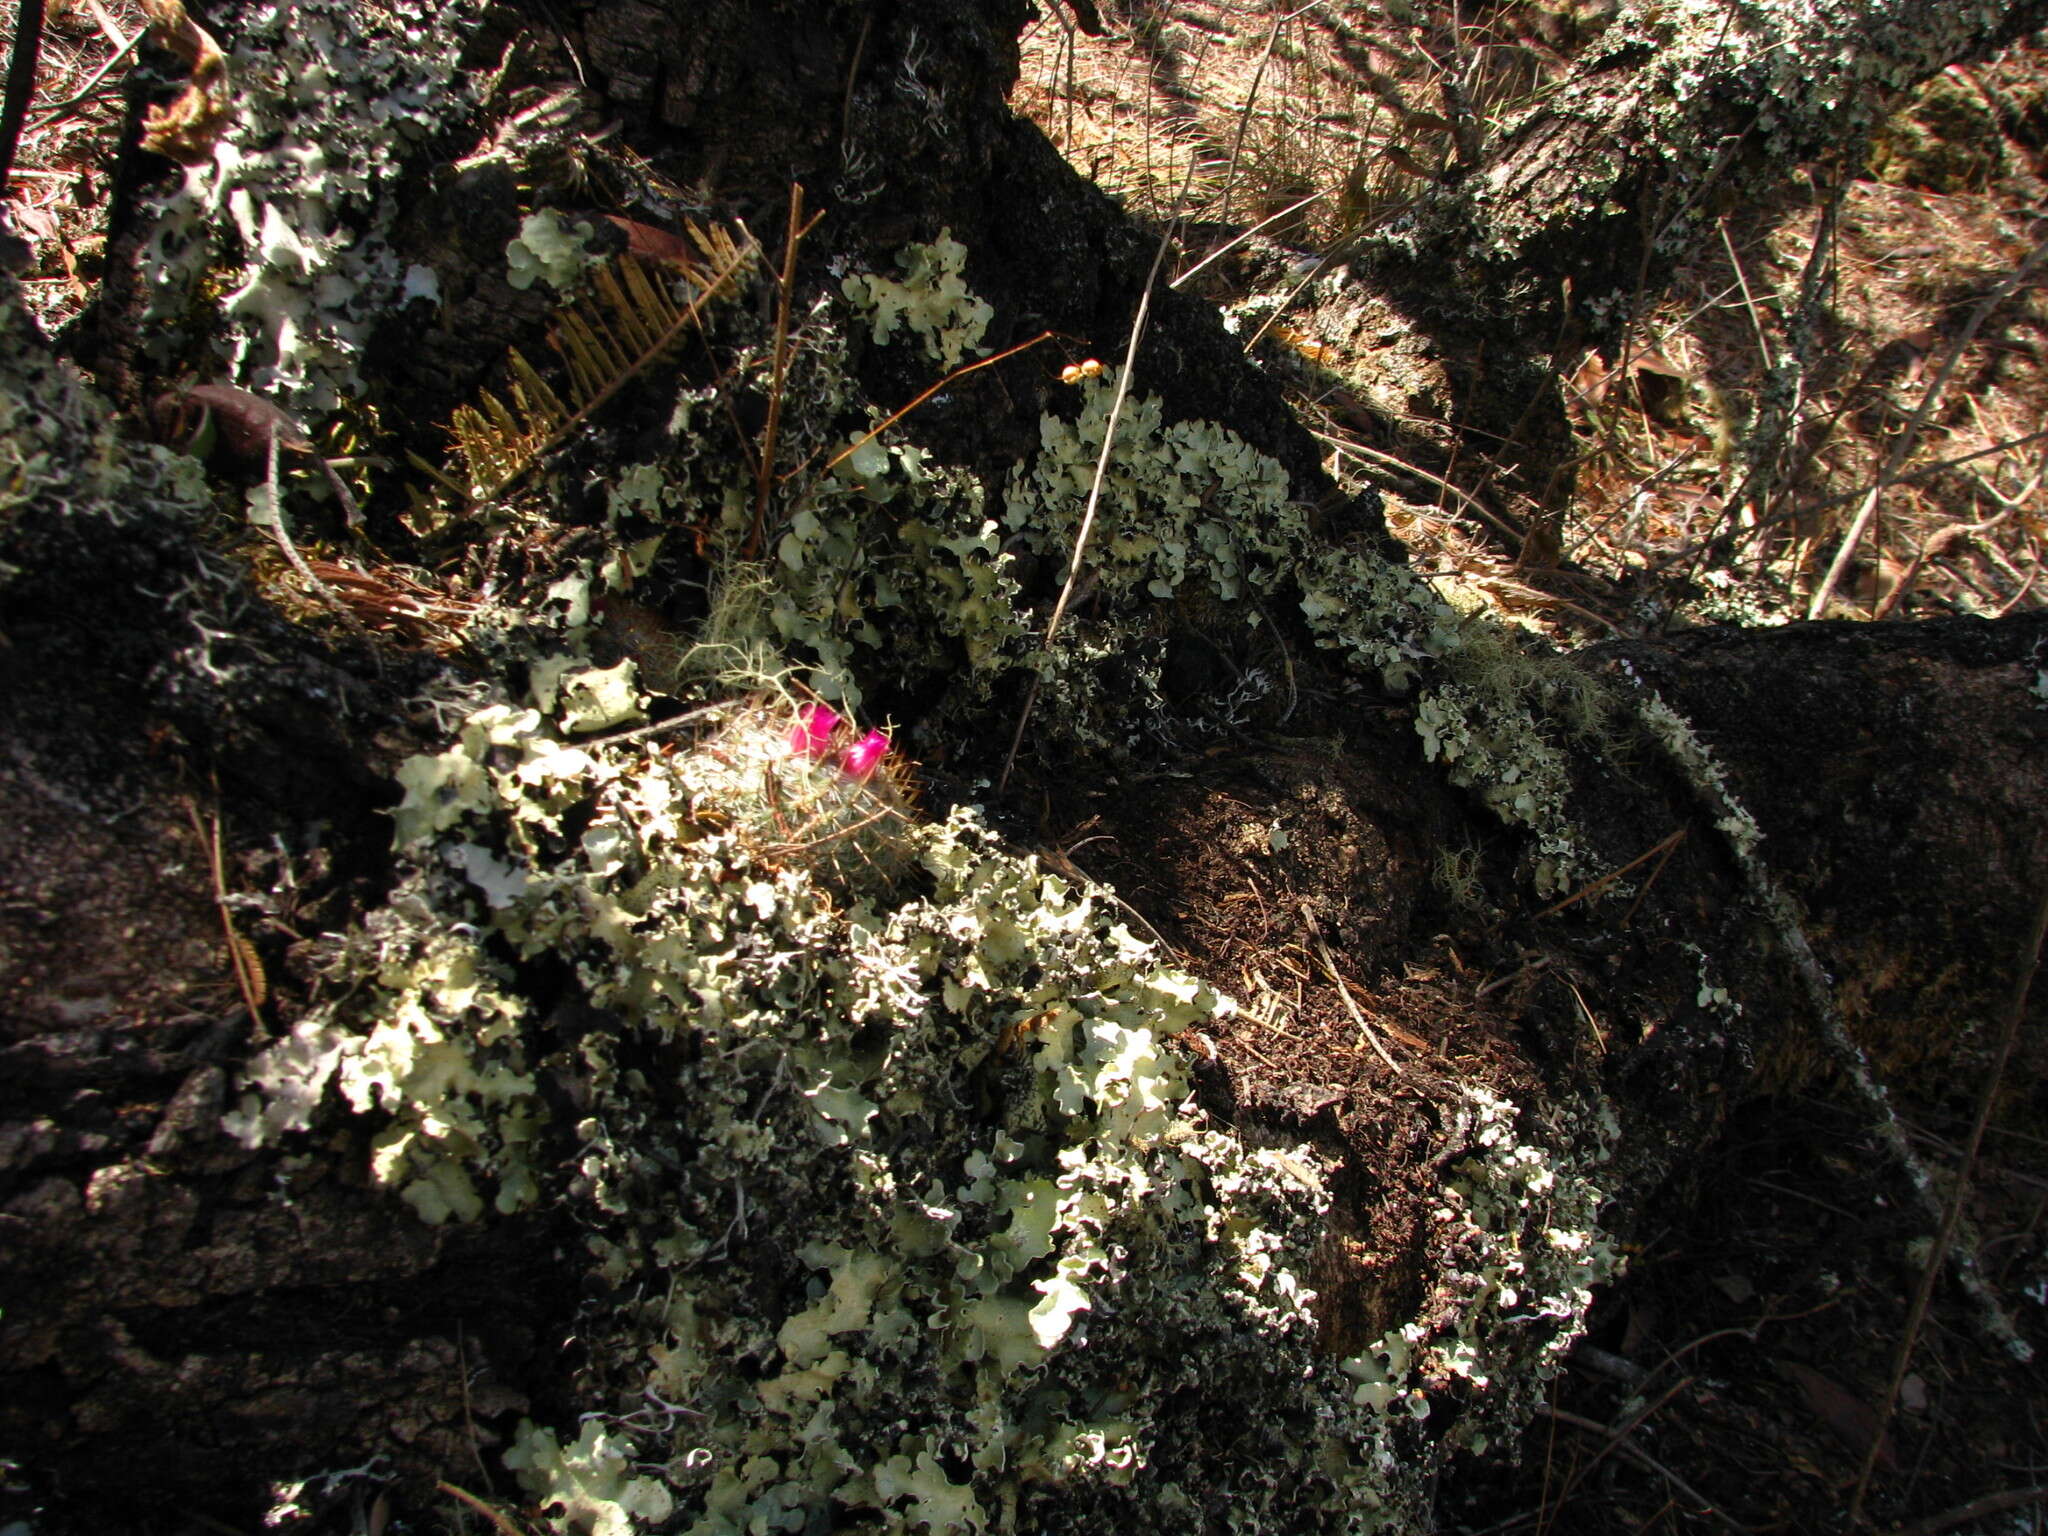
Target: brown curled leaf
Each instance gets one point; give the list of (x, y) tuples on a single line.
[(652, 244), (242, 424)]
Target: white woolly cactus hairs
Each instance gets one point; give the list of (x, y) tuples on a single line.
[(808, 787)]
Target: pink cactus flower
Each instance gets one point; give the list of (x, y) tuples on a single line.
[(812, 733), (863, 755)]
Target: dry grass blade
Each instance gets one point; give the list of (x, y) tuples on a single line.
[(1717, 539), (1244, 116), (785, 298), (391, 602), (1365, 1030), (1087, 528), (498, 1518), (1239, 239), (1910, 438), (242, 958)]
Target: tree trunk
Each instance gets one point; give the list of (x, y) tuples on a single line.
[(1611, 180), (627, 1073)]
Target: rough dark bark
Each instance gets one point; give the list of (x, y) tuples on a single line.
[(287, 1319)]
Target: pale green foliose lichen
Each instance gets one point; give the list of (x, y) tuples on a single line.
[(1815, 71), (880, 1123), (875, 1121), (61, 456), (1191, 503), (549, 249), (893, 560), (1522, 1217), (592, 1482), (1675, 735), (929, 294), (326, 97)]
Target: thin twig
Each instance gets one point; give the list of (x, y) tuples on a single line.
[(764, 470), (1286, 305), (272, 518), (1687, 753), (83, 94), (1933, 547), (1617, 1439), (1937, 1257), (675, 723), (1937, 543), (1063, 861), (1763, 342), (1486, 514), (1594, 888), (495, 1516), (1976, 1509), (1365, 1030), (476, 1443), (1643, 1458), (1778, 415), (1116, 410), (1909, 439), (895, 416), (860, 48), (1239, 238)]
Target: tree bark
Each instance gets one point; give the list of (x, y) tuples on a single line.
[(192, 1327), (1608, 182)]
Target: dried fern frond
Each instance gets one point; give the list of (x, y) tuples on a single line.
[(623, 324)]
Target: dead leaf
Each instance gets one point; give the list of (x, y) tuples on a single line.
[(1656, 362), (651, 244), (190, 126), (1402, 160), (1848, 1417), (242, 423)]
